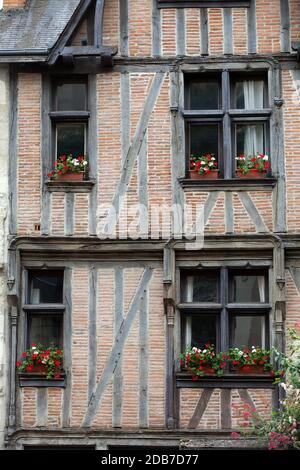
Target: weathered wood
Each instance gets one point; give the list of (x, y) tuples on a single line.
[(42, 407), (253, 212), (117, 348), (156, 30), (98, 24), (228, 38), (203, 3), (143, 187), (229, 221), (125, 111), (252, 46), (13, 153), (69, 30), (180, 32), (177, 146), (226, 408), (118, 375), (128, 164), (278, 152), (210, 204), (46, 152), (82, 51), (224, 327), (69, 214), (295, 273), (285, 25), (144, 364), (93, 152), (203, 31), (200, 408), (93, 278), (67, 397), (124, 43)]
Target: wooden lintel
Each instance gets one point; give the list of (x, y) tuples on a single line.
[(80, 51)]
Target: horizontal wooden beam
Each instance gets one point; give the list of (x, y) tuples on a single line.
[(80, 51), (203, 4)]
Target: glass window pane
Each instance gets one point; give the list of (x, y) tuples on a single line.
[(71, 97), (45, 329), (247, 331), (204, 140), (204, 95), (249, 94), (199, 330), (202, 288), (250, 139), (249, 288), (70, 139), (45, 287)]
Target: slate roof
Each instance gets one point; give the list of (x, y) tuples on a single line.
[(37, 27)]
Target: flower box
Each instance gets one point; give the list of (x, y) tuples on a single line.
[(71, 177), (206, 371), (255, 369), (253, 174), (210, 175)]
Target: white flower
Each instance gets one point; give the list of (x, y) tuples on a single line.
[(202, 162), (213, 159), (85, 163), (266, 157), (75, 162), (33, 347), (240, 353), (210, 164), (204, 351)]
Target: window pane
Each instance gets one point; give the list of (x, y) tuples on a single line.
[(248, 331), (250, 139), (204, 139), (70, 139), (199, 330), (249, 289), (71, 97), (202, 288), (249, 94), (204, 95), (45, 287), (45, 329)]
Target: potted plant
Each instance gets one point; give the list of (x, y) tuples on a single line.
[(68, 168), (202, 362), (281, 430), (252, 166), (40, 360), (250, 361), (203, 166)]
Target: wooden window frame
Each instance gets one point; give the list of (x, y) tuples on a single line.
[(228, 116), (52, 309), (61, 117), (224, 307)]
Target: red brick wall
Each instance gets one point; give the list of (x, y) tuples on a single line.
[(215, 31), (192, 27), (239, 30), (14, 3), (168, 32), (140, 18), (29, 153), (268, 26)]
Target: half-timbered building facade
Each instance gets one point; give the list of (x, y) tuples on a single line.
[(97, 266)]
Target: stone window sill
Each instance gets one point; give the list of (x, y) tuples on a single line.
[(36, 380), (233, 184), (70, 186)]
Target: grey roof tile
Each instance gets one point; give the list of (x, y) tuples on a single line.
[(36, 27)]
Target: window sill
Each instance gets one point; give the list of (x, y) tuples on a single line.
[(36, 380), (233, 184), (228, 380), (70, 186)]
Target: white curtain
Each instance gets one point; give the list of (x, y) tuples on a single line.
[(254, 133), (261, 288), (190, 289)]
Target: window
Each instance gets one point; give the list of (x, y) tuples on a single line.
[(44, 307), (227, 115), (70, 117), (226, 307)]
